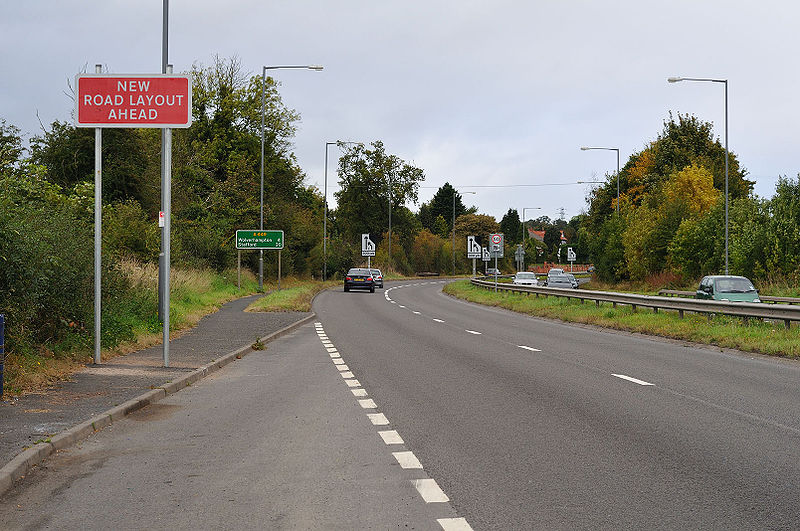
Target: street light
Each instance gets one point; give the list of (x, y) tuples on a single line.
[(584, 148), (325, 216), (725, 83), (455, 192), (523, 224), (263, 102)]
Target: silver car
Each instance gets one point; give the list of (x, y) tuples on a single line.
[(525, 278), (560, 281), (377, 276)]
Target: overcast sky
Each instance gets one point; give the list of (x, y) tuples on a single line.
[(474, 92)]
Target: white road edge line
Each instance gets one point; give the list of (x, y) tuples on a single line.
[(634, 380), (529, 348)]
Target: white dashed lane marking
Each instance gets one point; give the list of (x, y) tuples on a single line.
[(378, 419), (473, 332), (430, 491), (391, 437), (454, 524), (530, 348), (407, 460), (630, 379), (368, 403)]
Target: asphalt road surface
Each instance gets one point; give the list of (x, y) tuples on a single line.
[(398, 401), (528, 423)]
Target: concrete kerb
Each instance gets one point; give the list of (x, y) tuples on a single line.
[(19, 467)]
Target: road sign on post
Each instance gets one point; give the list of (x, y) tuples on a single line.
[(496, 245), (570, 257), (133, 100), (367, 246), (486, 256), (259, 239), (473, 248)]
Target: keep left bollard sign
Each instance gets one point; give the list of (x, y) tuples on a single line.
[(152, 100)]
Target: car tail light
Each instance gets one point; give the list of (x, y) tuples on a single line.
[(348, 278)]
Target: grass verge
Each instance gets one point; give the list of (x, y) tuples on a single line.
[(128, 325), (721, 331), (294, 296)]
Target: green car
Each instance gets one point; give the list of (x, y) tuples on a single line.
[(727, 288)]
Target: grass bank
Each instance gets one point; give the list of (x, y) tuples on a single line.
[(129, 323), (721, 331), (295, 295)]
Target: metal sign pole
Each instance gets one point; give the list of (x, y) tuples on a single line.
[(238, 269), (98, 227), (279, 269), (495, 273), (166, 165)]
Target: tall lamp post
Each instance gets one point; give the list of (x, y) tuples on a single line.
[(455, 193), (585, 148), (263, 103), (325, 216), (725, 83)]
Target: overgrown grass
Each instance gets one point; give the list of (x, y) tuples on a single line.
[(129, 323), (722, 331), (294, 296)]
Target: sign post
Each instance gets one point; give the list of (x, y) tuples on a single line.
[(259, 240), (367, 248), (133, 100), (496, 242), (473, 251)]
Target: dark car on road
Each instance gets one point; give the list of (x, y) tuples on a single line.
[(727, 288), (359, 278)]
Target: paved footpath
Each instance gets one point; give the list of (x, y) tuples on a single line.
[(97, 388)]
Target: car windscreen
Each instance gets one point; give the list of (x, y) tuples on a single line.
[(734, 285), (526, 275)]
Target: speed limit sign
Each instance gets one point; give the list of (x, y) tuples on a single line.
[(496, 241)]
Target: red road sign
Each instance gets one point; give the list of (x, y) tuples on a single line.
[(152, 100), (496, 239)]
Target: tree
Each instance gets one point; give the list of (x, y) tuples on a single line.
[(511, 227), (370, 180), (441, 204), (428, 252), (67, 153), (678, 176), (11, 149)]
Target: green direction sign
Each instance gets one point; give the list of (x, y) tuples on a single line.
[(259, 239)]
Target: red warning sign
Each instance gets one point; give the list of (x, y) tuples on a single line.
[(152, 100)]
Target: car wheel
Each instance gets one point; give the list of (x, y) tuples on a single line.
[(346, 289), (372, 289)]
